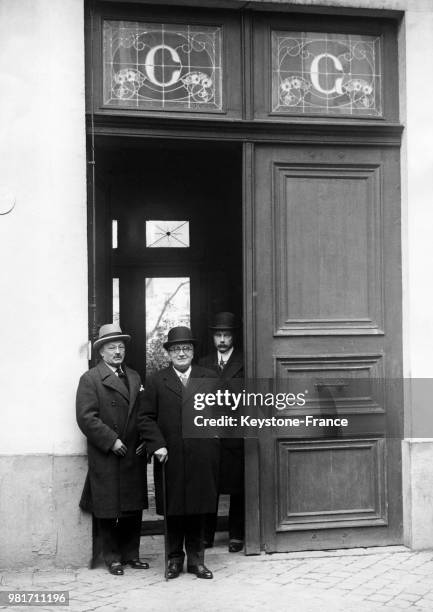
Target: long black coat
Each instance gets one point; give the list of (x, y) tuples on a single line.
[(105, 412), (232, 449), (192, 469)]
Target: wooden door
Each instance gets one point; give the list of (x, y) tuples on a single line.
[(326, 279)]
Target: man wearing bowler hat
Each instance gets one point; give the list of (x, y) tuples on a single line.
[(115, 490), (191, 465), (228, 362)]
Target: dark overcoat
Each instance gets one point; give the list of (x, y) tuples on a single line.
[(107, 411), (192, 469), (232, 449)]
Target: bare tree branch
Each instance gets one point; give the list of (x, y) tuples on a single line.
[(165, 306)]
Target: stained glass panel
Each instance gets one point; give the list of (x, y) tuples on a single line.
[(167, 234), (162, 66), (167, 305), (326, 73)]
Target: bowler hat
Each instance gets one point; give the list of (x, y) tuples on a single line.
[(179, 334), (224, 320), (108, 333)]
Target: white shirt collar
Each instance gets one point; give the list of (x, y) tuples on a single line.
[(185, 374), (225, 356), (113, 369)]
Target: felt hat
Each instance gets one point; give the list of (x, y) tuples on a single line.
[(224, 320), (110, 333), (179, 334)]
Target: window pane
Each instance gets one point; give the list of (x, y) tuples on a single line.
[(167, 234), (116, 302), (326, 73), (167, 305), (114, 232), (162, 66)]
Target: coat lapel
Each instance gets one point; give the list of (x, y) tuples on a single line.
[(196, 381), (109, 379), (172, 381), (134, 387), (233, 365)]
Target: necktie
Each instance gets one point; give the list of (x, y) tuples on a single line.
[(222, 364), (122, 376), (183, 379)]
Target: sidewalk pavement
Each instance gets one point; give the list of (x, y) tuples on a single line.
[(353, 580)]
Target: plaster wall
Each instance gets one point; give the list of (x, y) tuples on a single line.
[(43, 240), (43, 279), (417, 183)]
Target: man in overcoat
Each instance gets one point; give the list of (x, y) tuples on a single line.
[(228, 362), (191, 464), (115, 490)]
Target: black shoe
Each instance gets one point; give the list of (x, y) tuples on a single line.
[(201, 571), (115, 568), (174, 568), (235, 546), (137, 564)]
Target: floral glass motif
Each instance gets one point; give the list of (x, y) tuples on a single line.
[(167, 234), (326, 73), (162, 66)]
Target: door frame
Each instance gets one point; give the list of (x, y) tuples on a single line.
[(249, 135)]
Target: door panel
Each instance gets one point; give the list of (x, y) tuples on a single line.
[(327, 269)]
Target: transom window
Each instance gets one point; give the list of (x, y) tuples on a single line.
[(326, 73), (167, 234), (162, 66)]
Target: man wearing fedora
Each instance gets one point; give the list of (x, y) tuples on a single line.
[(115, 490), (191, 465), (228, 362)]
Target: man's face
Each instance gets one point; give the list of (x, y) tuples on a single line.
[(113, 353), (223, 340), (181, 355)]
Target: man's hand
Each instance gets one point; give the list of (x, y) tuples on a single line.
[(119, 448), (161, 454), (141, 449)]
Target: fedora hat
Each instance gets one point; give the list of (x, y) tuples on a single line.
[(179, 334), (224, 320), (108, 333)]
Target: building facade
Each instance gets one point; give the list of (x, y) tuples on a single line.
[(162, 162)]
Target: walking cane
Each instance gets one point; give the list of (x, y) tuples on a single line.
[(164, 507)]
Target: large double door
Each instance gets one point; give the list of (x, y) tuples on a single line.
[(313, 262)]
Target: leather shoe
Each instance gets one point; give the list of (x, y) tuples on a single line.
[(201, 571), (115, 568), (174, 568), (235, 546), (137, 564)]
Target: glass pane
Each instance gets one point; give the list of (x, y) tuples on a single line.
[(326, 73), (167, 234), (167, 305), (114, 231), (162, 66), (116, 302)]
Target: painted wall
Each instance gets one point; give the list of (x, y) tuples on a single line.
[(43, 240), (43, 279)]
